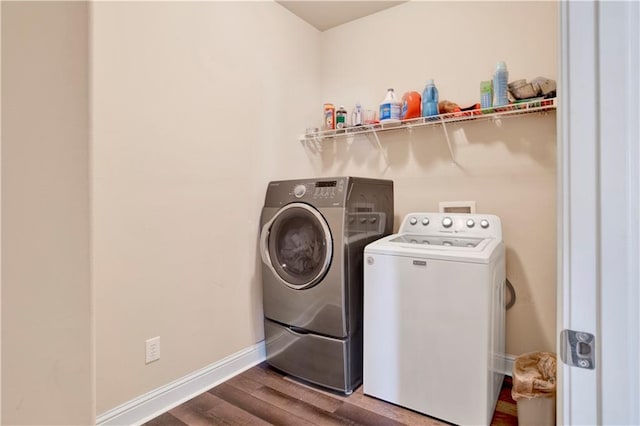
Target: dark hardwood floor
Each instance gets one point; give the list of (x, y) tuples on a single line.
[(263, 396)]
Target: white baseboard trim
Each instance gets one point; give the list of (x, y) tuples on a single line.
[(508, 364), (164, 398)]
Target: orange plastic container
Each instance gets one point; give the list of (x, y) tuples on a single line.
[(411, 103)]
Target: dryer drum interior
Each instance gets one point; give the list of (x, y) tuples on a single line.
[(299, 246)]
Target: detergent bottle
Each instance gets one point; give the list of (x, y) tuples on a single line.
[(390, 107), (430, 99), (500, 81)]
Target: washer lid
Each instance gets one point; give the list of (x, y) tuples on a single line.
[(444, 247), (439, 240)]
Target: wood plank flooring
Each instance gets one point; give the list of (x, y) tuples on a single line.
[(264, 396)]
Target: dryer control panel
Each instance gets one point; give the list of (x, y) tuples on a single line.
[(470, 225), (321, 193), (329, 192), (327, 189), (317, 190)]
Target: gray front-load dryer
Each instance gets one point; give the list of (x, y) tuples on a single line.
[(313, 234)]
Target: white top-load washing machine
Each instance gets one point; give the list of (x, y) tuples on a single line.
[(434, 316)]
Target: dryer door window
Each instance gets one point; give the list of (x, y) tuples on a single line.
[(299, 245)]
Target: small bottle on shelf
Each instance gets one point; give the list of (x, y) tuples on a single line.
[(341, 118), (329, 117), (430, 99), (500, 81), (486, 94), (390, 108), (356, 115)]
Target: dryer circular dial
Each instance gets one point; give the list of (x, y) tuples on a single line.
[(299, 191), (447, 222)]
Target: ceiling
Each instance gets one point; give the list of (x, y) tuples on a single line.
[(328, 14)]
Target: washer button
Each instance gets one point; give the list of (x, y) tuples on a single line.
[(470, 223), (484, 223), (413, 221), (447, 222), (425, 221)]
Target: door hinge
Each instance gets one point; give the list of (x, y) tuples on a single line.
[(578, 349)]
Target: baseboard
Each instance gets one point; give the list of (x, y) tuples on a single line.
[(162, 399), (508, 364)]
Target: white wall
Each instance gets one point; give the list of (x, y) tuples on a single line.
[(509, 170), (47, 353), (190, 101)]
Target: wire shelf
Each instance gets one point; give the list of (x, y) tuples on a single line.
[(520, 108)]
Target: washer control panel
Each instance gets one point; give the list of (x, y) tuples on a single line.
[(472, 225)]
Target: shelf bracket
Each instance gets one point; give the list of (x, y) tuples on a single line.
[(446, 136), (379, 145), (313, 144)]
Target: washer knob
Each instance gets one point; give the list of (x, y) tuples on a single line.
[(447, 222), (484, 223), (470, 223), (373, 219), (413, 221), (425, 221), (299, 191)]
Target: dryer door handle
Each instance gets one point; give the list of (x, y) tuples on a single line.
[(264, 243)]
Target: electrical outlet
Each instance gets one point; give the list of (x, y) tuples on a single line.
[(153, 350)]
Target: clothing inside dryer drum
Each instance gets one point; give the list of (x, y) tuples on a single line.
[(301, 247)]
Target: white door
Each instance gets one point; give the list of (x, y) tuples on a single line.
[(598, 215)]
